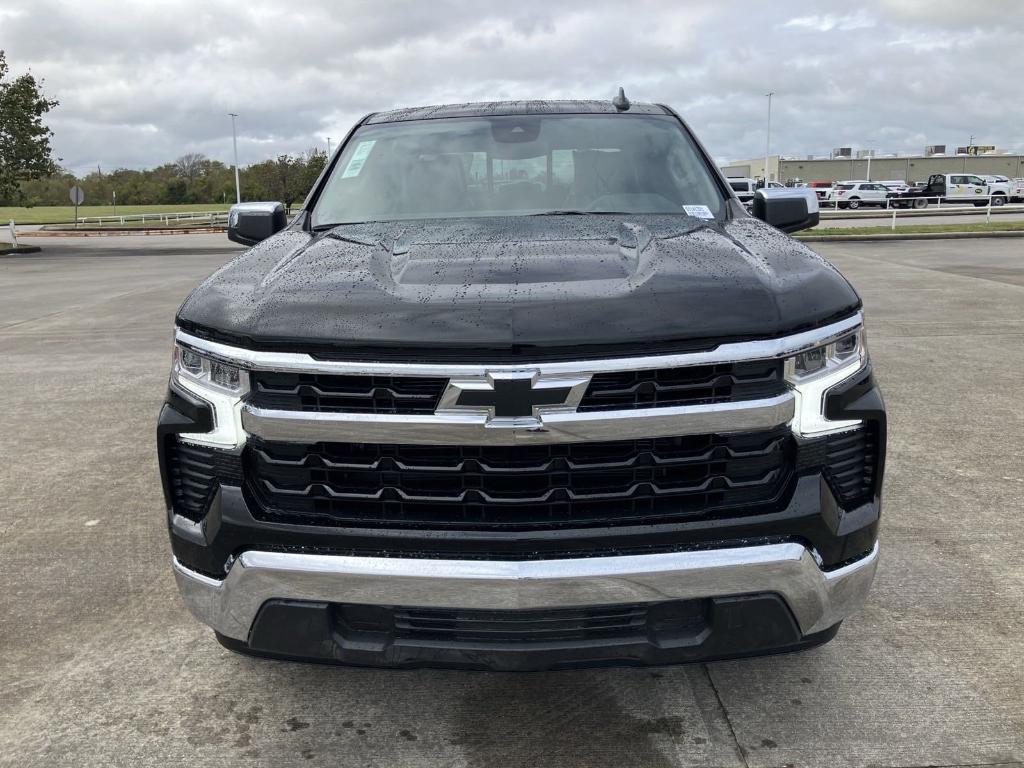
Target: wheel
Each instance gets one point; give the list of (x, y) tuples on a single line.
[(921, 202), (998, 200), (854, 203)]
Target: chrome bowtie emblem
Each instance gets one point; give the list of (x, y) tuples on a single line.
[(514, 397)]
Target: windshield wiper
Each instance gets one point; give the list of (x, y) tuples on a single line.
[(325, 227), (578, 212)]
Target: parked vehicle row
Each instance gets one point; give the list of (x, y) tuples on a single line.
[(946, 188), (940, 188)]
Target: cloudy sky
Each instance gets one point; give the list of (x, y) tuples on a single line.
[(143, 82)]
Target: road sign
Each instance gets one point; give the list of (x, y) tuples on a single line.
[(77, 196)]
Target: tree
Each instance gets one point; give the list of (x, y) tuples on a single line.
[(191, 165), (282, 179), (24, 137)]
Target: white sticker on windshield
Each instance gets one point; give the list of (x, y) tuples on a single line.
[(698, 211), (355, 163)]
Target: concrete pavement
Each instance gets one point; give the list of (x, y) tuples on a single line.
[(101, 665)]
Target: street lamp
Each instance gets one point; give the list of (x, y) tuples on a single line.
[(768, 137), (328, 147), (234, 143)]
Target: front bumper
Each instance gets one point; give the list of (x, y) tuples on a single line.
[(307, 585)]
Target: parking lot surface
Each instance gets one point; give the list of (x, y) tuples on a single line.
[(101, 665)]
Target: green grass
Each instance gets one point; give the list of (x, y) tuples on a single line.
[(60, 214), (995, 226)]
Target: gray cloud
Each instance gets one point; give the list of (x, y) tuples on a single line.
[(141, 83)]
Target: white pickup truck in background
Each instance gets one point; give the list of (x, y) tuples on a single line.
[(955, 188)]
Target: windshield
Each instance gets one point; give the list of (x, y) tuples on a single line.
[(517, 165)]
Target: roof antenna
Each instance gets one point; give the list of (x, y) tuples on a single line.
[(620, 102)]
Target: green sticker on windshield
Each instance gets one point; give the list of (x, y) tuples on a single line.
[(358, 159)]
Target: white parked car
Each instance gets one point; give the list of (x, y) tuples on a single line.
[(854, 194)]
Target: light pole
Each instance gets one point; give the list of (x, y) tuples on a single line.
[(234, 143), (328, 147), (768, 138)]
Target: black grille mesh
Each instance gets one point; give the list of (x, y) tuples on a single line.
[(693, 385), (330, 393), (194, 473), (851, 461), (518, 487), (626, 390)]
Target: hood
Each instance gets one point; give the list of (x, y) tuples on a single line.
[(535, 286)]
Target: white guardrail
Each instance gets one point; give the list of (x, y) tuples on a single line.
[(211, 217), (868, 209)]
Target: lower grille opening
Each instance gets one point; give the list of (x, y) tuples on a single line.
[(519, 487), (643, 621)]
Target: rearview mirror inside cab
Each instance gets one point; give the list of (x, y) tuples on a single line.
[(249, 223), (790, 209)]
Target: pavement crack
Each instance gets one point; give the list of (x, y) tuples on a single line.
[(724, 712)]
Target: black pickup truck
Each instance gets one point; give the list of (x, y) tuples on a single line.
[(523, 386)]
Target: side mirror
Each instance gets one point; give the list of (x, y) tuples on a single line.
[(787, 209), (249, 223)]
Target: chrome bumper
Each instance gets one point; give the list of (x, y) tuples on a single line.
[(817, 598)]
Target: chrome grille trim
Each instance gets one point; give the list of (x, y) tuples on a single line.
[(474, 428), (766, 349)]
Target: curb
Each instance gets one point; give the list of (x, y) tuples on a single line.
[(18, 250), (121, 232), (909, 236)]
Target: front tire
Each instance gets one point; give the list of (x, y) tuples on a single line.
[(921, 202)]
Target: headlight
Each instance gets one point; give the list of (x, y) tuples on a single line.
[(218, 383), (812, 372)]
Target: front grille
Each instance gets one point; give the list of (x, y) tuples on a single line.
[(195, 472), (617, 390), (335, 393), (691, 385), (519, 487), (592, 623), (851, 461)]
